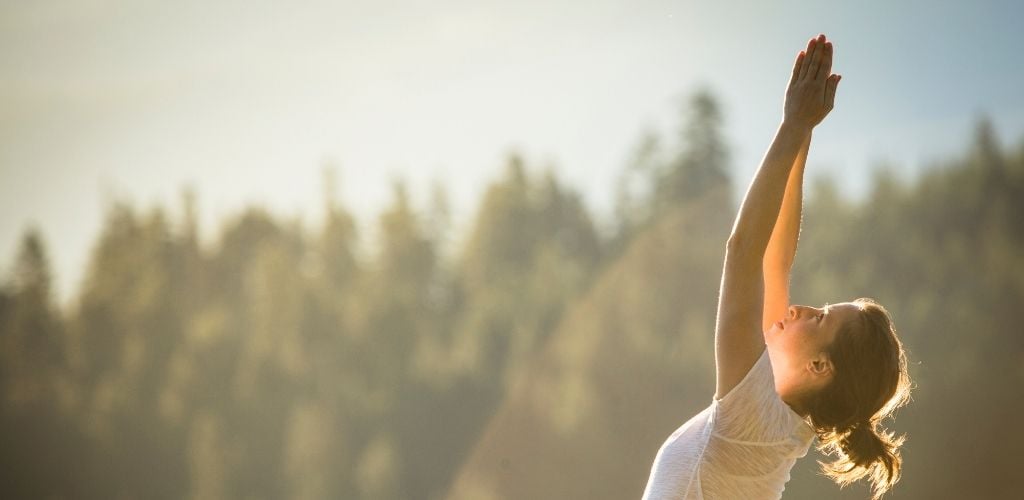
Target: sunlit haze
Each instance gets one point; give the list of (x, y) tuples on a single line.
[(248, 101)]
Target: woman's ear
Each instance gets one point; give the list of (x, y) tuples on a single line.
[(820, 365)]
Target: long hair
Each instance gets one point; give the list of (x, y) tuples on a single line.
[(870, 381)]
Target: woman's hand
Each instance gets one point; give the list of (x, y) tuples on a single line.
[(812, 89)]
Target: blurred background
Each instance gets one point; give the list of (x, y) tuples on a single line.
[(471, 250)]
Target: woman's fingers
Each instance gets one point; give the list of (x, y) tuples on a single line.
[(809, 54), (812, 90), (797, 67), (819, 51), (826, 62), (830, 91)]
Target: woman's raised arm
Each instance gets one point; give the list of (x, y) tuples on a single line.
[(778, 257), (738, 336)]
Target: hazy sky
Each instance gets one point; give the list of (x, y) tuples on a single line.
[(246, 101)]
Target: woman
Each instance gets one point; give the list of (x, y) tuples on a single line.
[(787, 374)]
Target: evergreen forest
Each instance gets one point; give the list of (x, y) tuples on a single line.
[(546, 355)]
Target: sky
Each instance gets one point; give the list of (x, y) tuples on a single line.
[(106, 100)]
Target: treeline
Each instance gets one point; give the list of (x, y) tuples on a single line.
[(279, 361), (543, 358)]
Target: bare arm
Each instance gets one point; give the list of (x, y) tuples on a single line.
[(778, 257), (738, 336)]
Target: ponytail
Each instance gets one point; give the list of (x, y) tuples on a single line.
[(869, 383), (863, 451)]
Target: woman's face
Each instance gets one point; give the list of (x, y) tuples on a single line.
[(802, 337)]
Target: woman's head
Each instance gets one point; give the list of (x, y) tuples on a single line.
[(844, 368)]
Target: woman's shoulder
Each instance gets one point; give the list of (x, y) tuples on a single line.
[(753, 410), (758, 380)]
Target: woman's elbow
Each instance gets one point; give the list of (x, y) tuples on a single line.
[(739, 247), (737, 243)]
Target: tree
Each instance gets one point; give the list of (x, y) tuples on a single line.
[(701, 164), (32, 353), (634, 190)]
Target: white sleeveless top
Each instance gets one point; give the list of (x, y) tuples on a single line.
[(742, 446)]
